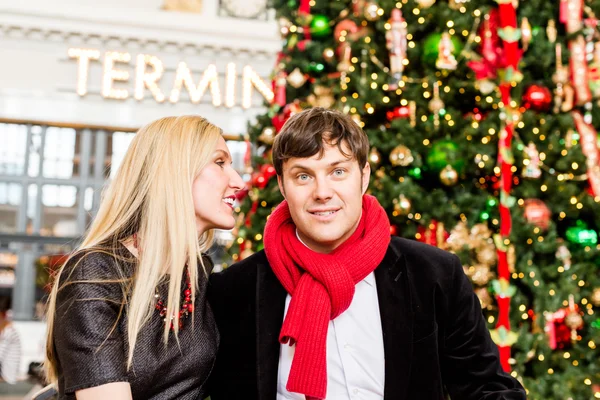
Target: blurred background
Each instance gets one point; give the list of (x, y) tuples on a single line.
[(70, 103), (482, 117)]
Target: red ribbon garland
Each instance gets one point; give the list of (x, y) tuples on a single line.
[(508, 20), (304, 12), (571, 14)]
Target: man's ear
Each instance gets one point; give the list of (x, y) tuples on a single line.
[(280, 184), (366, 176)]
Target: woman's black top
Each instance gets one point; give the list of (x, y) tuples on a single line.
[(90, 354)]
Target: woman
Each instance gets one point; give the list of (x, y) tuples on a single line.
[(127, 314)]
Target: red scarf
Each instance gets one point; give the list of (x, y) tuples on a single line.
[(321, 286)]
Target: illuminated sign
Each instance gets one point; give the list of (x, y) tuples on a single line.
[(149, 70)]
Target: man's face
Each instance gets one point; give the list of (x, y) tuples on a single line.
[(325, 196)]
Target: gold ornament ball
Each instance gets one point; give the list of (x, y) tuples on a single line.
[(401, 156), (402, 205), (296, 78), (374, 156), (328, 54), (425, 3), (267, 136), (573, 320), (449, 176), (596, 297), (371, 11), (436, 104), (322, 97), (486, 86)]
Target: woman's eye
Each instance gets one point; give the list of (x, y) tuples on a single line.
[(220, 163)]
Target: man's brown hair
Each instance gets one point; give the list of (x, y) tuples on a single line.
[(306, 134)]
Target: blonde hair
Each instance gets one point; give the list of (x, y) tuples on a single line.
[(151, 195)]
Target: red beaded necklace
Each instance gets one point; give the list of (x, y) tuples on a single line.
[(187, 307)]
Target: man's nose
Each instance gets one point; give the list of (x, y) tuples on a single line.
[(323, 189)]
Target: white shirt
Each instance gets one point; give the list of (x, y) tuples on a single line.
[(10, 354), (355, 356)]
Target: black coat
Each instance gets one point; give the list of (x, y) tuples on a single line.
[(434, 335)]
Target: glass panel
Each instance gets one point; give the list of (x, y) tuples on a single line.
[(52, 257), (238, 151), (13, 143), (10, 198), (59, 210), (120, 144), (35, 151), (59, 153), (32, 193), (88, 199)]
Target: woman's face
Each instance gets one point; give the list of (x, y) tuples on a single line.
[(214, 190)]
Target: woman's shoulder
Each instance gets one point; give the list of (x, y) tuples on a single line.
[(98, 263), (207, 261)]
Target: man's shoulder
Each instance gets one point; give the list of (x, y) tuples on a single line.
[(244, 271)]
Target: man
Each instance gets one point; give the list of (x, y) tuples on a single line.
[(334, 308)]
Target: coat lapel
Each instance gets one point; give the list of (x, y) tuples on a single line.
[(270, 305), (396, 322)]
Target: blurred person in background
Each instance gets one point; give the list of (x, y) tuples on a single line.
[(10, 345), (128, 316)]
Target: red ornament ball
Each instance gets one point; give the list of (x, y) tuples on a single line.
[(537, 213), (537, 98), (398, 112), (268, 171)]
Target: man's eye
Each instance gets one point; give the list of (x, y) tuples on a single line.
[(303, 177), (338, 172)]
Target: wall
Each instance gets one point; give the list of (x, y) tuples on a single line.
[(38, 80)]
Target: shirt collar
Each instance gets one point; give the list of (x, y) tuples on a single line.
[(370, 279)]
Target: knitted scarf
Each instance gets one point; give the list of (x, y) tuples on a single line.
[(321, 286)]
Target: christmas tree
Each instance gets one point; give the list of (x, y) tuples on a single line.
[(482, 118)]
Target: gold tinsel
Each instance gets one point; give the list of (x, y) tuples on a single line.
[(596, 297), (480, 274), (484, 297)]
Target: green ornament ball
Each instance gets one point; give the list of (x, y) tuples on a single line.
[(319, 26), (315, 67), (580, 234), (492, 202), (431, 50), (445, 152), (415, 172)]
